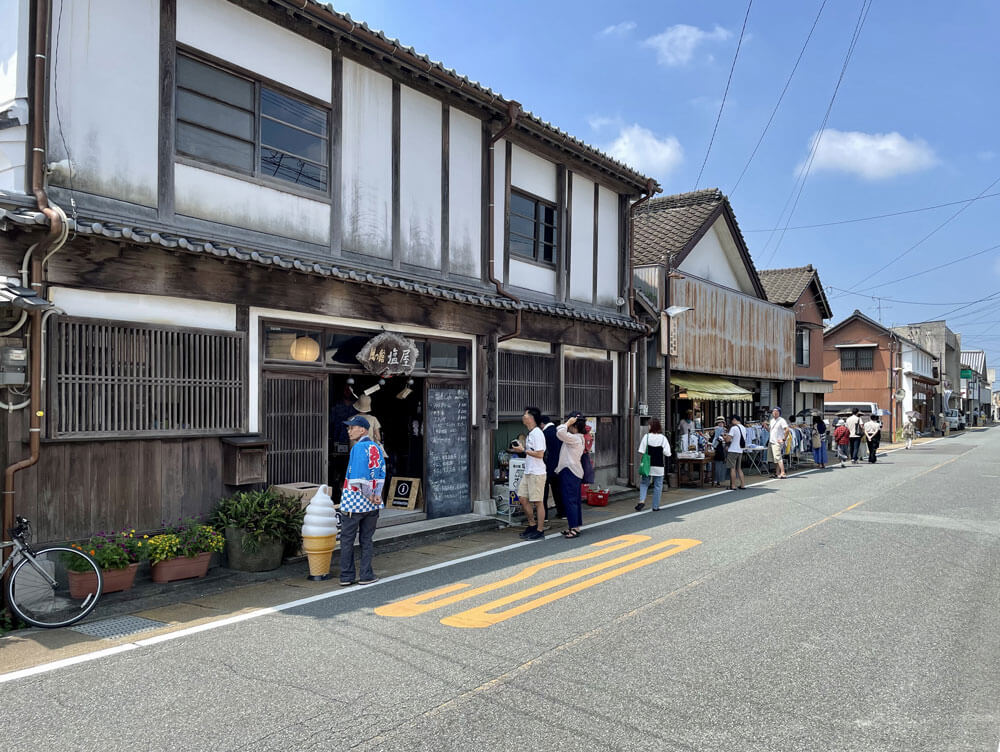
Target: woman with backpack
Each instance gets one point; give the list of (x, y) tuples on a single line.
[(818, 438), (719, 447), (736, 443), (655, 445)]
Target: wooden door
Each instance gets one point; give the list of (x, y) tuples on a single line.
[(296, 421)]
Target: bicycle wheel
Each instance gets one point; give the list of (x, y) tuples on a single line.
[(40, 592)]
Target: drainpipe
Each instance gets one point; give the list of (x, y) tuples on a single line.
[(513, 111), (48, 245), (632, 354)]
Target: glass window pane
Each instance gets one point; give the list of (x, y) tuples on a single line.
[(447, 356), (192, 74), (214, 147), (286, 167), (285, 343), (522, 247), (548, 254), (287, 139), (547, 214), (195, 108), (521, 205), (522, 226), (293, 111), (549, 235)]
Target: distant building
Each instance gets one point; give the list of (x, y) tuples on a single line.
[(974, 390), (946, 346)]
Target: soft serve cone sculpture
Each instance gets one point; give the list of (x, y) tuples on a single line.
[(319, 533)]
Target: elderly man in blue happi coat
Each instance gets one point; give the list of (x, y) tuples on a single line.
[(360, 501)]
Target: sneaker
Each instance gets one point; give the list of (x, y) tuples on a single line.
[(526, 533), (535, 534), (368, 582), (345, 584)]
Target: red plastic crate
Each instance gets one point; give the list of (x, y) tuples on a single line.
[(598, 498)]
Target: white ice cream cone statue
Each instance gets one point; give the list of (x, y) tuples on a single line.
[(319, 533)]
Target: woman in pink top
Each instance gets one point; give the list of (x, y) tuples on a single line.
[(570, 471)]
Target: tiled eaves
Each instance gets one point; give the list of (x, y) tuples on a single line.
[(33, 219)]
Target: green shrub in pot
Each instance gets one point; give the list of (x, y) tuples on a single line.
[(260, 526)]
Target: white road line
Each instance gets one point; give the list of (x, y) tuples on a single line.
[(225, 622)]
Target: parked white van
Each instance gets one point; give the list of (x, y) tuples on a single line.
[(832, 409), (956, 422)]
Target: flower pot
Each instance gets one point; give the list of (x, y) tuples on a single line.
[(81, 584), (266, 557), (182, 568)]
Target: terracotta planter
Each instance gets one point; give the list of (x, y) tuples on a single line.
[(82, 584), (182, 568)]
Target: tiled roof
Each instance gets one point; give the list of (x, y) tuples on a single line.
[(324, 15), (664, 226), (28, 218), (785, 286), (975, 359)]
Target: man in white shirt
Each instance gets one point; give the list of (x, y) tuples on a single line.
[(531, 491), (855, 426), (736, 443), (779, 429)]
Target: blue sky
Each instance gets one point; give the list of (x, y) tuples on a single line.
[(914, 124)]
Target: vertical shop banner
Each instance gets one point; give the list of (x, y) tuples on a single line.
[(515, 470), (447, 490)]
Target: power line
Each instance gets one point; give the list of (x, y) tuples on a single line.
[(724, 95), (991, 296), (876, 216), (780, 97), (894, 300), (801, 180)]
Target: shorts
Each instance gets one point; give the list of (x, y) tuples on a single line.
[(532, 488), (733, 459)]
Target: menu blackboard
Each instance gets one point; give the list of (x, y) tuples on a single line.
[(446, 434)]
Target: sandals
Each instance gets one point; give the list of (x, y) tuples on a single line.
[(571, 533)]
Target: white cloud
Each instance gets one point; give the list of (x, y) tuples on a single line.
[(639, 148), (873, 156), (987, 156), (677, 45), (600, 122), (618, 30)]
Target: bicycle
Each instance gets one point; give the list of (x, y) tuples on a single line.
[(39, 588)]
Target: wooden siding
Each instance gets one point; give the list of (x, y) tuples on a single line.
[(730, 333), (296, 422), (527, 379), (589, 386)]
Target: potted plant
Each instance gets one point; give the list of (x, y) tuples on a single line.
[(117, 554), (184, 551), (259, 527)]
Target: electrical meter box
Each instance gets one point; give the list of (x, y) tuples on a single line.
[(13, 365)]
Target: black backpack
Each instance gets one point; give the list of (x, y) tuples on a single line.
[(743, 438)]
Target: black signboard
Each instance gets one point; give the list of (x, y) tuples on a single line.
[(389, 355), (447, 490)]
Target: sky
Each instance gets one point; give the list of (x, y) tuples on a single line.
[(913, 124)]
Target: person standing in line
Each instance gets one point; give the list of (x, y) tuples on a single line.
[(552, 446), (842, 437), (909, 432), (364, 407), (736, 441), (719, 447), (855, 428), (571, 471), (686, 424), (873, 434), (360, 502), (531, 490), (656, 445), (819, 442), (778, 433)]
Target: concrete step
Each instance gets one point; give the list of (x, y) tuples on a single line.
[(390, 517)]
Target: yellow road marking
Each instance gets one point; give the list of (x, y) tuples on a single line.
[(487, 614), (425, 602)]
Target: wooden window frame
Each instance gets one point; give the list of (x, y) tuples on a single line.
[(802, 337), (517, 389), (256, 175), (537, 243), (166, 377), (590, 390)]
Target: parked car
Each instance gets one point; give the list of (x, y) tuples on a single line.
[(956, 420)]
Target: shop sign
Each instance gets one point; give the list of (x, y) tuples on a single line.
[(389, 355), (966, 373), (404, 493)]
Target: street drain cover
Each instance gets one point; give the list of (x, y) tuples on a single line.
[(120, 626)]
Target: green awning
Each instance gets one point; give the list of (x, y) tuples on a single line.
[(701, 387)]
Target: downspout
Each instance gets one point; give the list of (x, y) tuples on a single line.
[(647, 330), (513, 111), (48, 245)]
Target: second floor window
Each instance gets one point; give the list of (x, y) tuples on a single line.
[(533, 230), (857, 358), (244, 125), (802, 347)]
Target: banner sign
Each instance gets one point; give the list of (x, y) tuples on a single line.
[(389, 355)]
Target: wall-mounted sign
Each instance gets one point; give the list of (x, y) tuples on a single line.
[(966, 373), (404, 493), (389, 355)]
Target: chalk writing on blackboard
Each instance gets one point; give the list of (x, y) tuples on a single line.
[(447, 489)]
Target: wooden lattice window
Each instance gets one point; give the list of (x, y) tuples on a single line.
[(111, 379), (527, 379), (590, 386)]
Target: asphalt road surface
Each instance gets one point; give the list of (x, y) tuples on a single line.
[(850, 609)]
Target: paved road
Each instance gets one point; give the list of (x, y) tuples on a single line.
[(850, 609)]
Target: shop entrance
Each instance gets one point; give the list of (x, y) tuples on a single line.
[(398, 408)]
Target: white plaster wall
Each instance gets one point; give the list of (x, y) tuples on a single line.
[(106, 65), (13, 144), (533, 174), (14, 46), (581, 279), (710, 260), (145, 309), (366, 162), (465, 194), (230, 33), (532, 277), (232, 201), (608, 251), (499, 182), (419, 179)]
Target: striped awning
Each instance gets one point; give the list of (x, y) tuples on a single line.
[(703, 387)]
